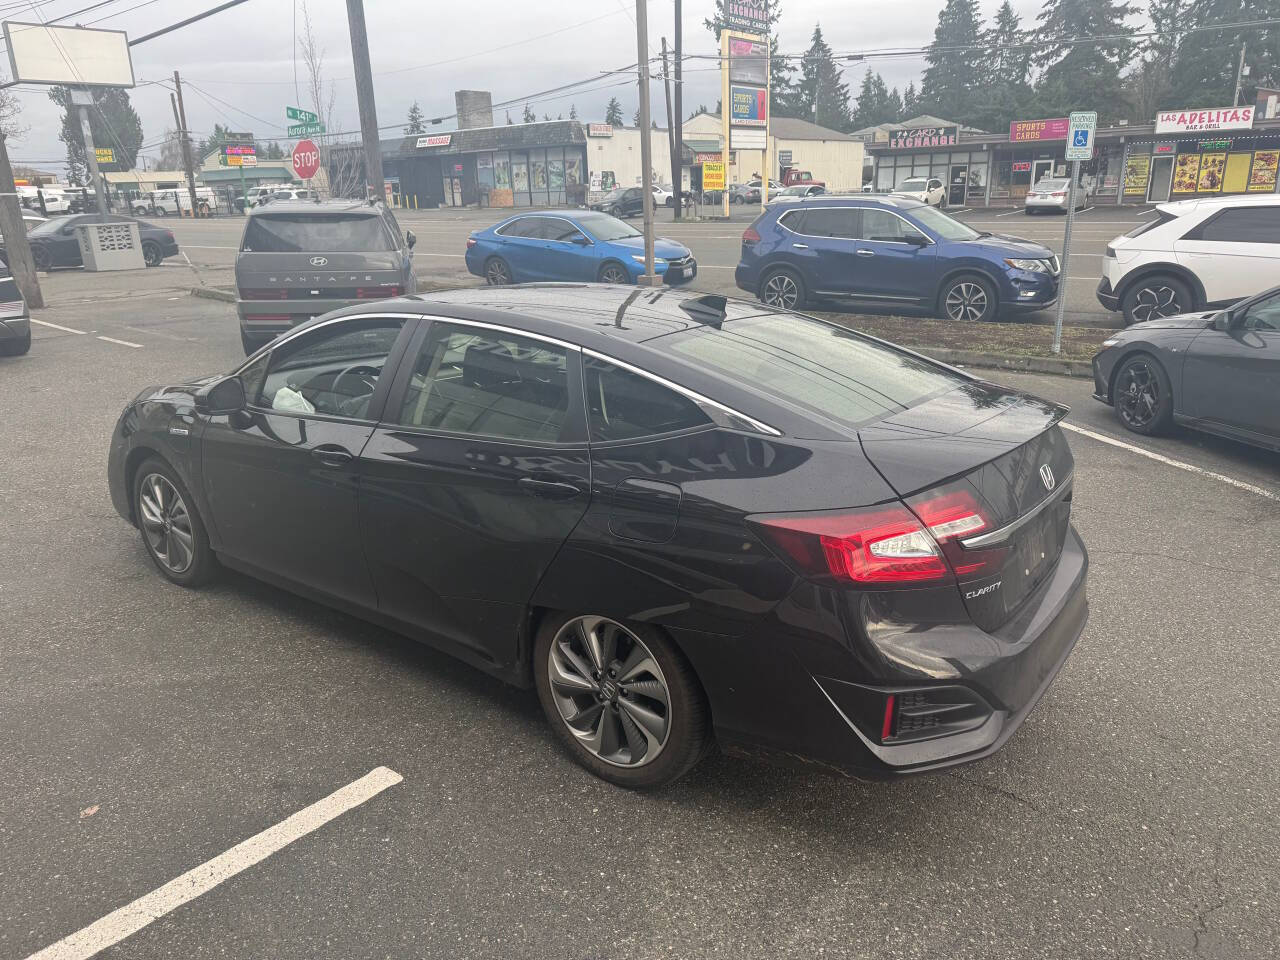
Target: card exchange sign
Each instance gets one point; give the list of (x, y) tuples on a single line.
[(749, 16), (916, 137)]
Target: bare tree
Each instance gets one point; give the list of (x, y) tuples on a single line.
[(322, 99), (10, 108), (170, 151)]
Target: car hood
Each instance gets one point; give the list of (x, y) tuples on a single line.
[(1003, 245), (666, 249), (1179, 321)]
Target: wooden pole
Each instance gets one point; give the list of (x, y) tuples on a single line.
[(375, 186), (649, 278), (678, 131), (672, 155), (186, 145)]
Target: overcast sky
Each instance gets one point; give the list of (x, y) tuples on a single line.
[(243, 59)]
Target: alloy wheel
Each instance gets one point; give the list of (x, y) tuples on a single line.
[(609, 691), (497, 273), (780, 290), (1138, 394), (151, 254), (1155, 302), (612, 273), (966, 301), (166, 523)]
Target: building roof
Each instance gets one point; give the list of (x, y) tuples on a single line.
[(793, 128), (924, 120), (507, 136)]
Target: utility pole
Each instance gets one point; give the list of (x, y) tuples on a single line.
[(672, 155), (1235, 101), (17, 248), (374, 184), (649, 278), (677, 131), (186, 145), (82, 100)]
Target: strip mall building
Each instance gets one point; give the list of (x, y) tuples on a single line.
[(1182, 154)]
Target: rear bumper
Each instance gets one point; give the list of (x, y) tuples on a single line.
[(273, 317), (14, 328), (1106, 296), (835, 723)]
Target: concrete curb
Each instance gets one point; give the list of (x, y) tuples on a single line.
[(974, 358), (214, 293)]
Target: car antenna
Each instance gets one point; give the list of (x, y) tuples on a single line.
[(708, 309)]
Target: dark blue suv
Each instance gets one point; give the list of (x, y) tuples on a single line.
[(891, 255)]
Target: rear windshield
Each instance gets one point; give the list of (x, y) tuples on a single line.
[(1048, 186), (314, 233), (1160, 218), (817, 366), (912, 185)]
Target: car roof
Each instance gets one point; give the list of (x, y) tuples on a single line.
[(1180, 208), (317, 207), (857, 200)]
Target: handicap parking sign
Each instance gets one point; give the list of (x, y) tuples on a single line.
[(1080, 137)]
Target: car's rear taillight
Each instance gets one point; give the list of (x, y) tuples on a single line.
[(1060, 194), (264, 294), (749, 237), (952, 513), (379, 293), (471, 242), (881, 544)]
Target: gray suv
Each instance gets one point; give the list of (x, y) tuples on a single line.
[(300, 259)]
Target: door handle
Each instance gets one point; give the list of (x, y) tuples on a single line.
[(801, 246), (547, 489), (332, 455), (866, 253)]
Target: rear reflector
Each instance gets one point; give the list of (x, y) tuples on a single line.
[(379, 293), (265, 294), (886, 729), (750, 237), (882, 544)]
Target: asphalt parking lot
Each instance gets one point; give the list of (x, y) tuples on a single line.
[(148, 731), (442, 234)]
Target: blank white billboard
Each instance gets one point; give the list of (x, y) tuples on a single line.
[(68, 55)]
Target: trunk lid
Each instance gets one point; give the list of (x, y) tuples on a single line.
[(317, 276), (1005, 450)]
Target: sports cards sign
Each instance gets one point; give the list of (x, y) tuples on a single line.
[(1197, 121), (749, 106)]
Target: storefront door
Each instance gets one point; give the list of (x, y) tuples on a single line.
[(959, 182), (1041, 169), (1161, 179)]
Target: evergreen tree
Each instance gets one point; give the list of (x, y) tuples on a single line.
[(910, 101), (509, 118), (114, 123), (273, 151), (1149, 85), (894, 106), (546, 116), (875, 104), (1204, 69), (573, 111), (415, 124), (529, 116), (955, 70), (1005, 95), (821, 93), (613, 112), (1083, 76)]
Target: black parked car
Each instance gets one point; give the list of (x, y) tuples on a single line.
[(54, 242), (677, 517), (1218, 372), (622, 202)]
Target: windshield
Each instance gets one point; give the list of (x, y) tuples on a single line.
[(912, 186), (820, 367), (604, 227), (616, 193), (948, 228), (47, 228), (307, 233), (1049, 186), (794, 192)]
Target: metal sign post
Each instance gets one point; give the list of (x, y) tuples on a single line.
[(1080, 144)]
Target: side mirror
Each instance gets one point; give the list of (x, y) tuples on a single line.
[(581, 241), (1222, 321), (410, 239), (222, 397), (918, 240)]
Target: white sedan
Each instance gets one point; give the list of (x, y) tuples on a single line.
[(928, 190), (1051, 194)]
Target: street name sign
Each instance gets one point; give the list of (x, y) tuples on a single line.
[(305, 129), (302, 116)]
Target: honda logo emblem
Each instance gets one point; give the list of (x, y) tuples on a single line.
[(319, 261), (1047, 478)]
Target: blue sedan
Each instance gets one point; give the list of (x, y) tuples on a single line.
[(574, 246)]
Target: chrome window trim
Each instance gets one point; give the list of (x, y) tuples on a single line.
[(1009, 529), (300, 331), (683, 391), (514, 331)]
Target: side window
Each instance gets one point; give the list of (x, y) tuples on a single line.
[(882, 225), (795, 220), (252, 377), (332, 371), (1241, 225), (491, 384), (1264, 315), (838, 222), (519, 227), (622, 405), (560, 230)]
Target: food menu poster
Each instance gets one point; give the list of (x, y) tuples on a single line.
[(1212, 166), (1137, 171), (1186, 173), (1263, 176)]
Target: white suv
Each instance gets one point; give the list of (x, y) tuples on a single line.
[(1193, 255)]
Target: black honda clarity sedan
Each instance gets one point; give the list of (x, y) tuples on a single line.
[(681, 518)]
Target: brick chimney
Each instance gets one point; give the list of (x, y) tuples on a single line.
[(475, 108)]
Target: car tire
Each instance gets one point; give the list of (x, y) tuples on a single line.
[(159, 212), (968, 298), (1160, 295), (597, 714), (151, 254), (783, 288), (497, 272), (611, 271), (18, 347), (1142, 395), (40, 256), (171, 528)]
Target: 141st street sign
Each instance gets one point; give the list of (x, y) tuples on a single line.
[(308, 123), (302, 116)]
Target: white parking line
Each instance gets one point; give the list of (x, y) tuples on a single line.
[(132, 917), (46, 323), (123, 343), (1009, 214), (1181, 465)]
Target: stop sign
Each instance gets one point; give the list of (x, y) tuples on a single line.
[(306, 159)]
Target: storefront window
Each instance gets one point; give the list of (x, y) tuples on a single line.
[(520, 178), (572, 168), (500, 195), (484, 172), (884, 176), (977, 183), (555, 176)]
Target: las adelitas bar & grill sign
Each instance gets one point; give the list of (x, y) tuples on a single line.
[(1199, 121)]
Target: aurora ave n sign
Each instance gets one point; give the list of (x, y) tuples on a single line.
[(1198, 121)]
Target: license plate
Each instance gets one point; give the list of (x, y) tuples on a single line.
[(688, 272)]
